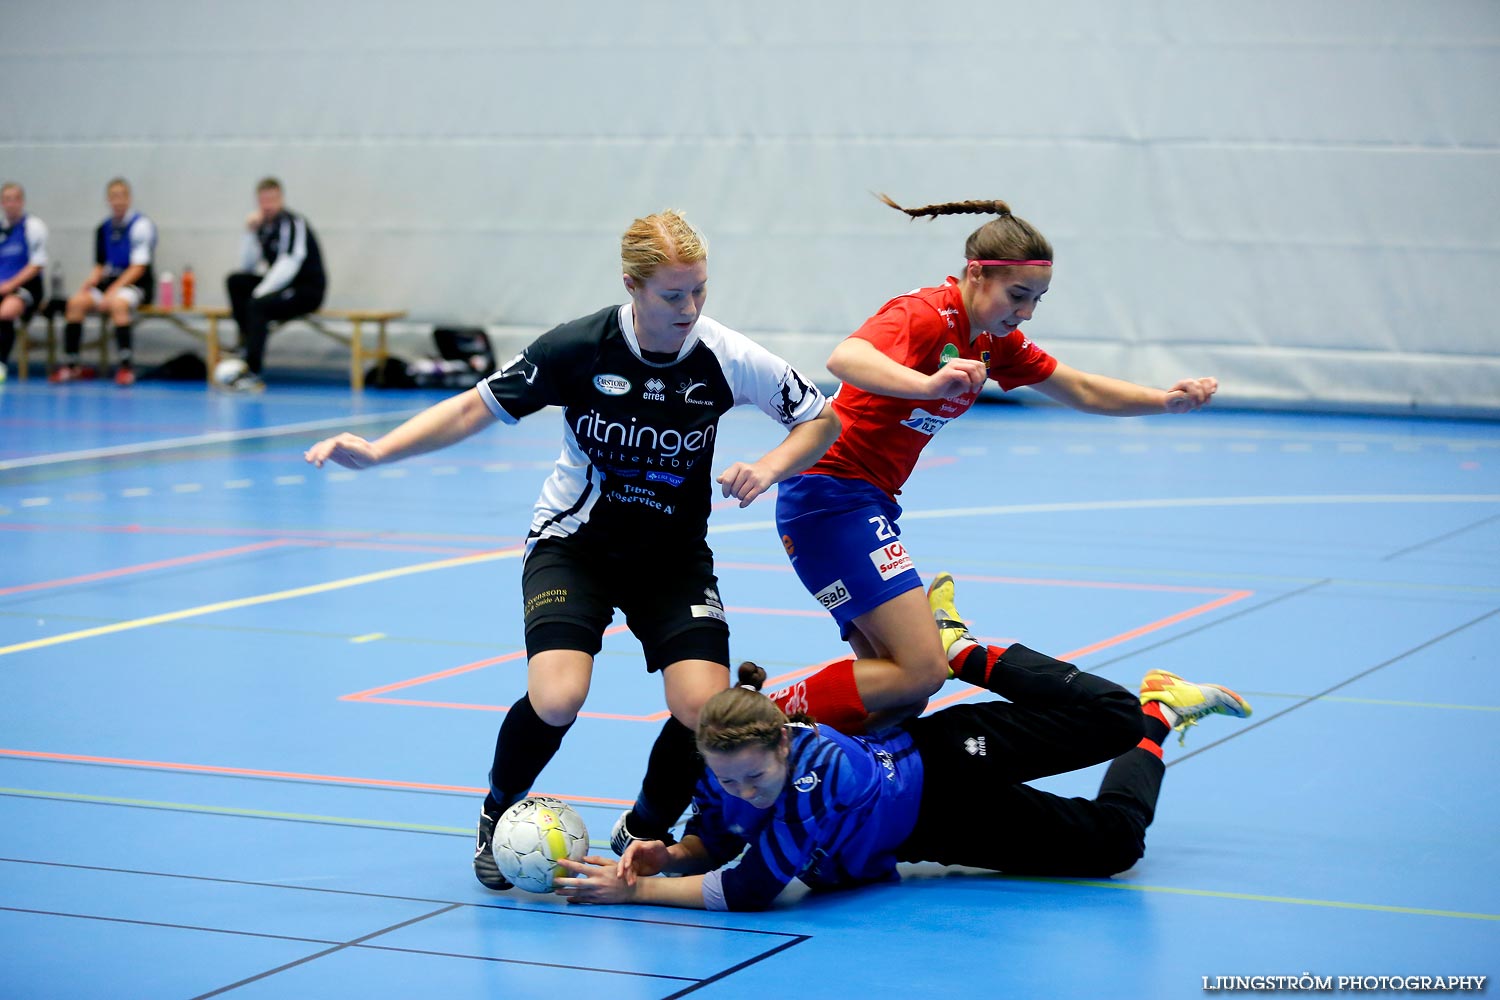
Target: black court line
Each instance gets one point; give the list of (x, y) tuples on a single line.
[(1343, 683), (1440, 538), (570, 911), (359, 944), (740, 967), (1242, 612), (445, 906), (325, 952)]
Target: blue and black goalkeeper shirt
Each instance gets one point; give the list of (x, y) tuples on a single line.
[(849, 803)]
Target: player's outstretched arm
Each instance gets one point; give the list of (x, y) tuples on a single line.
[(436, 427), (802, 446), (1113, 397), (863, 365)]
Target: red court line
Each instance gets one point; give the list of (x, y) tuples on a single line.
[(146, 567), (1161, 623), (1170, 588), (251, 772), (376, 695), (373, 695), (489, 541), (1021, 580)]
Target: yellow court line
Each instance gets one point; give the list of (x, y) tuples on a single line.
[(1374, 701), (368, 637), (247, 602), (1249, 897)]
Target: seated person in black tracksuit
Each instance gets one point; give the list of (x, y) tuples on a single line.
[(282, 278)]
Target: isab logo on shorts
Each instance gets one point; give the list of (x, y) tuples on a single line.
[(611, 385), (833, 595), (891, 560)]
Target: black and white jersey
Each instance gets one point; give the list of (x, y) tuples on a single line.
[(638, 445), (287, 246)]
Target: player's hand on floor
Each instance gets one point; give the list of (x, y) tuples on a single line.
[(745, 481), (1191, 394), (593, 880), (349, 450), (642, 857)]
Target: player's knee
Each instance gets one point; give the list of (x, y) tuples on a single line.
[(1119, 855), (558, 704)]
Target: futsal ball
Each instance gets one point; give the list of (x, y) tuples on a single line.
[(531, 835), (229, 369)]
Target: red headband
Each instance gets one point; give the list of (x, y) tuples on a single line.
[(1012, 263)]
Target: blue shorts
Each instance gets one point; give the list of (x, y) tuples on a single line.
[(844, 544)]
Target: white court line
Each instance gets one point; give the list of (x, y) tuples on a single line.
[(1160, 504), (1193, 427), (218, 437)]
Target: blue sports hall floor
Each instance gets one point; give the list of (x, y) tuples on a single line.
[(246, 707)]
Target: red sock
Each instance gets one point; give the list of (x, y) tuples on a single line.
[(1157, 728), (973, 665), (830, 696)]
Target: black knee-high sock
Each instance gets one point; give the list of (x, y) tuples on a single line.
[(72, 341), (7, 339), (524, 746), (1025, 676), (672, 772), (1133, 783), (124, 341)]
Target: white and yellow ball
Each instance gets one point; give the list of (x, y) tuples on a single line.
[(531, 835)]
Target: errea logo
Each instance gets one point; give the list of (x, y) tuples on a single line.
[(612, 385), (655, 389)]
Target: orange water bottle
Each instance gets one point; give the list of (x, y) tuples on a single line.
[(187, 286)]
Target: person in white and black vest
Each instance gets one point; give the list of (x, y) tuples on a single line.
[(282, 278), (23, 254), (121, 281)]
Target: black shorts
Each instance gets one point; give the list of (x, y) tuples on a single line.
[(670, 598), (32, 295), (142, 285)]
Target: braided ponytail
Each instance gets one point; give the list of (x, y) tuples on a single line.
[(1007, 237), (996, 207)]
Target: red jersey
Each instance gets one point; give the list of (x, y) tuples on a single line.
[(883, 436)]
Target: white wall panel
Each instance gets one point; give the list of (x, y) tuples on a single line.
[(1300, 198)]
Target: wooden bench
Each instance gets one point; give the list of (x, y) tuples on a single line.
[(208, 335)]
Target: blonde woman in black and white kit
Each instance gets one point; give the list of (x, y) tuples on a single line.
[(642, 386)]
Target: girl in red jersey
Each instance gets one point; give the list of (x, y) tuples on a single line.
[(915, 365)]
